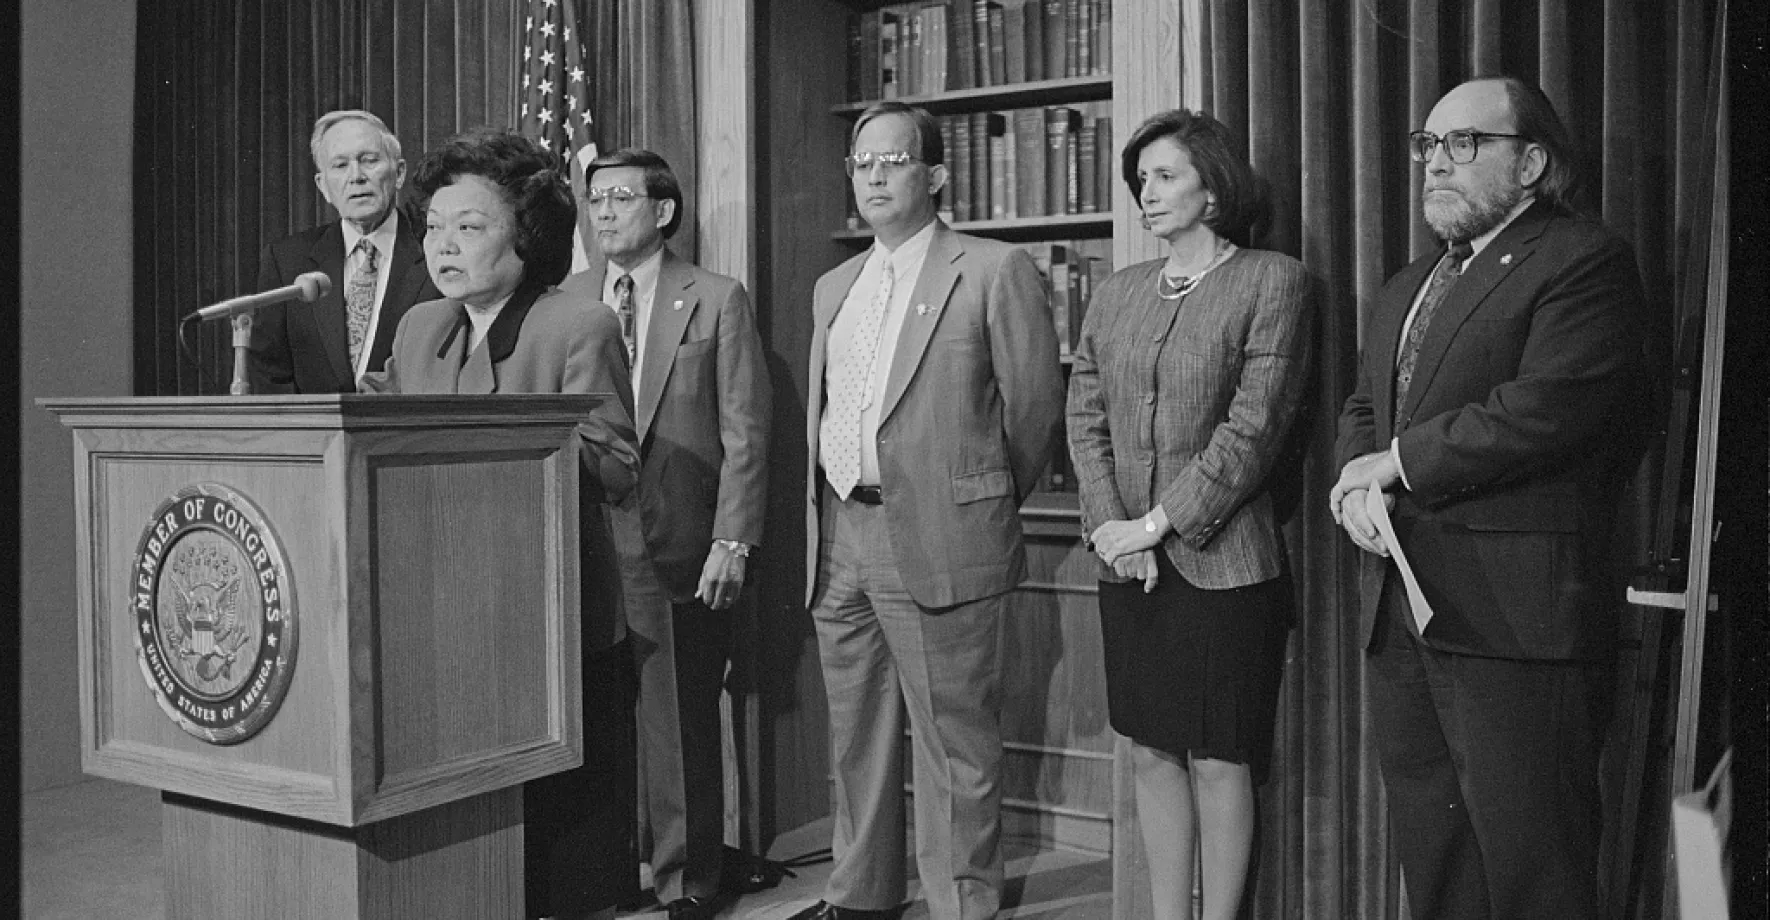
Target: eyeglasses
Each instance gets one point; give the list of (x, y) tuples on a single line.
[(1461, 145), (890, 161), (623, 198)]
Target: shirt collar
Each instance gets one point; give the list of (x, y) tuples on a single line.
[(907, 253), (382, 236), (645, 275)]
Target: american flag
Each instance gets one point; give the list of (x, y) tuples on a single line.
[(555, 106)]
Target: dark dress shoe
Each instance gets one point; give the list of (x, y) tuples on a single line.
[(693, 908), (824, 910)]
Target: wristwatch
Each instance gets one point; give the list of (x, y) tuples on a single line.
[(737, 548), (1149, 523)]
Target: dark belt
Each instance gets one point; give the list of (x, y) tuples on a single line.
[(866, 495)]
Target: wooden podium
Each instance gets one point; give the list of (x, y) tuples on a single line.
[(338, 632)]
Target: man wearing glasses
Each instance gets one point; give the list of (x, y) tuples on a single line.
[(702, 403), (934, 403), (1491, 418)]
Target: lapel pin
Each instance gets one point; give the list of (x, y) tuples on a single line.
[(922, 309), (1506, 259), (676, 306)]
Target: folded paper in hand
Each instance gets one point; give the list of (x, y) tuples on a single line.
[(1379, 514)]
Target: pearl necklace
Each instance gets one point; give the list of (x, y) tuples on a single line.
[(1182, 287)]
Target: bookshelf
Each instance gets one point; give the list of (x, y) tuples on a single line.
[(1022, 90)]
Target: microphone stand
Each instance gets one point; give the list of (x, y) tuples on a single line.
[(242, 354)]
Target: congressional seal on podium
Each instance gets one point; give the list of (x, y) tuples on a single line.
[(214, 613)]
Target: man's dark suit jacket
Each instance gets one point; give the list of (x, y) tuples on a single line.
[(305, 347), (1511, 438)]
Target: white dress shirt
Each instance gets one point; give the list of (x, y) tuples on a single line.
[(383, 237), (645, 290), (906, 265)]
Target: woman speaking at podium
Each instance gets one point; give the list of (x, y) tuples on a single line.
[(498, 238)]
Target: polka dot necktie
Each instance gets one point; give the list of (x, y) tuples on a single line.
[(1442, 281), (359, 298), (851, 391)]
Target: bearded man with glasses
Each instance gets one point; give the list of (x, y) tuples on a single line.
[(935, 400), (1492, 424)]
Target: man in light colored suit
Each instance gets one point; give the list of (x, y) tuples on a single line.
[(935, 402), (373, 253), (702, 401)]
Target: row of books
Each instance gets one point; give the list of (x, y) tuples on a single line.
[(916, 49), (1073, 270), (1033, 162)]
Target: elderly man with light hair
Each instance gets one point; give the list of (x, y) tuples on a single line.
[(373, 253)]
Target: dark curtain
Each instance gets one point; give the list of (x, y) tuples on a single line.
[(1326, 92), (226, 97), (644, 91), (227, 93)]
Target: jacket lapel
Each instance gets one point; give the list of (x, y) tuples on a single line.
[(672, 306), (1385, 335), (1510, 249), (327, 256), (406, 274), (479, 373), (940, 272)]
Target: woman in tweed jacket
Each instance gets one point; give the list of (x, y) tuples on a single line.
[(1188, 373)]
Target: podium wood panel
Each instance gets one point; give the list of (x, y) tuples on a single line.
[(431, 548), (459, 861)]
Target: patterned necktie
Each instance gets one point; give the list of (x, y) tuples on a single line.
[(624, 309), (851, 391), (359, 299), (1449, 270)]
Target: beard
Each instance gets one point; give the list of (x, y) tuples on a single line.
[(1456, 214)]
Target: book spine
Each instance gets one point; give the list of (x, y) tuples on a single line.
[(852, 88), (980, 177), (937, 48), (1034, 16), (1087, 170), (889, 74), (1055, 29), (1072, 29), (1103, 32), (1056, 128), (1103, 161), (980, 39), (1072, 163), (1085, 44), (1010, 166), (1060, 286), (1014, 40), (1029, 162), (871, 86), (964, 55), (998, 46), (959, 156), (946, 202)]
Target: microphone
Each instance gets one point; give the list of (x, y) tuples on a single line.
[(307, 288)]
